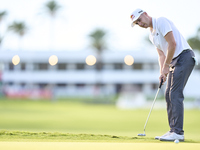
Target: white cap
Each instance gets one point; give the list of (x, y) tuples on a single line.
[(135, 15)]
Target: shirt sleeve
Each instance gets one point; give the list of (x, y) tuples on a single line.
[(163, 26)]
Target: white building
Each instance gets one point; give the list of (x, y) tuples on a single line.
[(71, 76)]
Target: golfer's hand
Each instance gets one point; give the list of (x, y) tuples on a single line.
[(164, 73)]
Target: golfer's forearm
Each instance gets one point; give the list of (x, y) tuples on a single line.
[(161, 59), (171, 47), (161, 62), (170, 54)]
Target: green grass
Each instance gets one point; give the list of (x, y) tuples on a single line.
[(67, 121), (63, 137), (22, 136)]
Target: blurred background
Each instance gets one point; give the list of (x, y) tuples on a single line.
[(87, 50)]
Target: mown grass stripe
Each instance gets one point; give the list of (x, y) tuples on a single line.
[(68, 137)]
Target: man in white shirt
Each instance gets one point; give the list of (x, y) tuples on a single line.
[(176, 61)]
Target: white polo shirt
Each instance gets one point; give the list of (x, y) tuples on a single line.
[(161, 26)]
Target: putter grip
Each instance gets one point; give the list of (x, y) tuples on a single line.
[(161, 83)]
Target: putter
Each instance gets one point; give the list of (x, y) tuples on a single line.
[(143, 134)]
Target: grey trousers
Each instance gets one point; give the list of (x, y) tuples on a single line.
[(180, 70)]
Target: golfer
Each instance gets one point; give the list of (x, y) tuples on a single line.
[(176, 61)]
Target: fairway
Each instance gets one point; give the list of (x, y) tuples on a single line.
[(96, 146), (67, 125)]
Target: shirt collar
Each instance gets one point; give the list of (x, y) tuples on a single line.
[(154, 25)]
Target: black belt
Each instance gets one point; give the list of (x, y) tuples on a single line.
[(182, 53)]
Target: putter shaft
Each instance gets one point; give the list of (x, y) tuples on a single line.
[(152, 107)]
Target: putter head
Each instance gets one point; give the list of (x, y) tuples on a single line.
[(140, 134)]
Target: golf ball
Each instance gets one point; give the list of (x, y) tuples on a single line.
[(176, 141)]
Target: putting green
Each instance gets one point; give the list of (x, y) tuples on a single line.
[(96, 146)]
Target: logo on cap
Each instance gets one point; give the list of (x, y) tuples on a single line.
[(140, 11), (132, 17)]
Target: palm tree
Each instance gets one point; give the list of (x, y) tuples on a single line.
[(2, 15), (20, 28), (99, 43), (51, 8), (1, 40), (195, 41)]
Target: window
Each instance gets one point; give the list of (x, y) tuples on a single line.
[(62, 66), (61, 85), (154, 86), (137, 66), (23, 66), (22, 85), (41, 66), (10, 83), (42, 85), (80, 66), (99, 65), (118, 66), (118, 88), (11, 66), (137, 87), (80, 85)]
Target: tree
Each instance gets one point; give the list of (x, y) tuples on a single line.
[(194, 42), (98, 42), (51, 8), (2, 15), (19, 28), (1, 39)]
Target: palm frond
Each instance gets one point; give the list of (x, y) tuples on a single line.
[(52, 7), (2, 15), (98, 39), (18, 27)]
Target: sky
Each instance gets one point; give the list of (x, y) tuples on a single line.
[(78, 18)]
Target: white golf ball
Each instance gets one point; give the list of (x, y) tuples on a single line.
[(176, 141)]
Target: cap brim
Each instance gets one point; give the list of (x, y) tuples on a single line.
[(132, 24)]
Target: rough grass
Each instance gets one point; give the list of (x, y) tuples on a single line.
[(22, 136), (61, 137)]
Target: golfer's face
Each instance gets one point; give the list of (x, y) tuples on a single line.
[(141, 21)]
